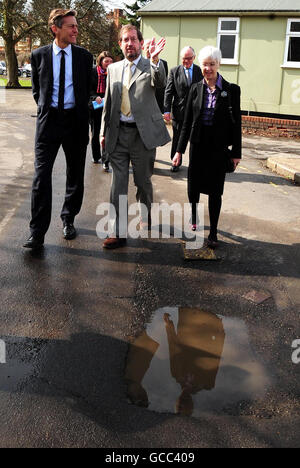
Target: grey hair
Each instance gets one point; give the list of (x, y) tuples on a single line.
[(185, 49), (210, 52)]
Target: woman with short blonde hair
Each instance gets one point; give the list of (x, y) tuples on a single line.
[(212, 124)]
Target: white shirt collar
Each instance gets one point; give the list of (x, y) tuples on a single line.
[(57, 49)]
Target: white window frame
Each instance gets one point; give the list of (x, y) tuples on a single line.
[(290, 34), (236, 33)]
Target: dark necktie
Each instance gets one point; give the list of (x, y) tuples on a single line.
[(188, 77), (62, 75)]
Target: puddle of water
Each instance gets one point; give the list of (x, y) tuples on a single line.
[(190, 361)]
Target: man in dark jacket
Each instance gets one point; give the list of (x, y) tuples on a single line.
[(159, 92), (177, 90), (61, 74)]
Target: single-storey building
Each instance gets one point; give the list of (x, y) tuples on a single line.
[(260, 43)]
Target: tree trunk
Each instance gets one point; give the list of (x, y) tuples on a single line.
[(10, 53), (12, 64)]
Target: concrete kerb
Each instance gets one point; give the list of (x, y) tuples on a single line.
[(286, 165)]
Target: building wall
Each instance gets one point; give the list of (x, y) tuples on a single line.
[(266, 86)]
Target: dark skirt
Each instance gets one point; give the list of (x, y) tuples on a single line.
[(206, 172)]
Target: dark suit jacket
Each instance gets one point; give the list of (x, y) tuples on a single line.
[(227, 132), (177, 90), (42, 84), (160, 92)]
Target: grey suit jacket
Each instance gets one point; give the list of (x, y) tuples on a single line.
[(144, 107)]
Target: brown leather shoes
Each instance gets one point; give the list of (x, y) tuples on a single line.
[(114, 242)]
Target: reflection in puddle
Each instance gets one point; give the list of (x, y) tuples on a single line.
[(191, 361)]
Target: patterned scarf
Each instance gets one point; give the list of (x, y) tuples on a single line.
[(102, 74)]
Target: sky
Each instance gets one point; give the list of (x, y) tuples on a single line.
[(110, 5)]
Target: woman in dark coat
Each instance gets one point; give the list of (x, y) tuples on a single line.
[(98, 87), (212, 124)]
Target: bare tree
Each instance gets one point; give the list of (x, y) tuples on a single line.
[(132, 12), (20, 19), (94, 27), (14, 26)]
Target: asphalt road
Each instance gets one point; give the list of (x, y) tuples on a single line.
[(69, 313)]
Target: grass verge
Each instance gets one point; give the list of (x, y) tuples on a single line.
[(24, 82)]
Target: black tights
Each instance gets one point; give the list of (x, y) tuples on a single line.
[(214, 208)]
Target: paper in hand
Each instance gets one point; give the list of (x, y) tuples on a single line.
[(96, 105)]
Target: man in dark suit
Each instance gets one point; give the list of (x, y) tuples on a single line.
[(159, 92), (61, 74), (177, 90)]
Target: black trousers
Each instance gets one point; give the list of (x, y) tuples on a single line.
[(59, 130), (95, 121), (177, 127)]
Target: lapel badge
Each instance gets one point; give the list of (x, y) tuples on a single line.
[(224, 94)]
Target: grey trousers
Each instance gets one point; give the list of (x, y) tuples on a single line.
[(130, 148)]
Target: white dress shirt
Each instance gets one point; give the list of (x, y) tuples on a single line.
[(69, 96)]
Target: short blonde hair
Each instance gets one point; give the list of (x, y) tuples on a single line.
[(210, 52)]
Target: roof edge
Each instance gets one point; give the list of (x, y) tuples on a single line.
[(224, 13)]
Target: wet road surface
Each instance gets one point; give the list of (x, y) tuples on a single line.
[(70, 313)]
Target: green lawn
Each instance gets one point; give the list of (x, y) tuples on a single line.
[(25, 82)]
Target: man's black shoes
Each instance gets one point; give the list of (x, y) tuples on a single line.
[(69, 231), (34, 243)]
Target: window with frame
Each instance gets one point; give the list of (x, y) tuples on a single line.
[(292, 45), (228, 39)]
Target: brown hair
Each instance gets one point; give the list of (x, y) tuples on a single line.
[(102, 56), (57, 16), (130, 27)]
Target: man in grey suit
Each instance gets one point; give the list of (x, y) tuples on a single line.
[(132, 125)]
